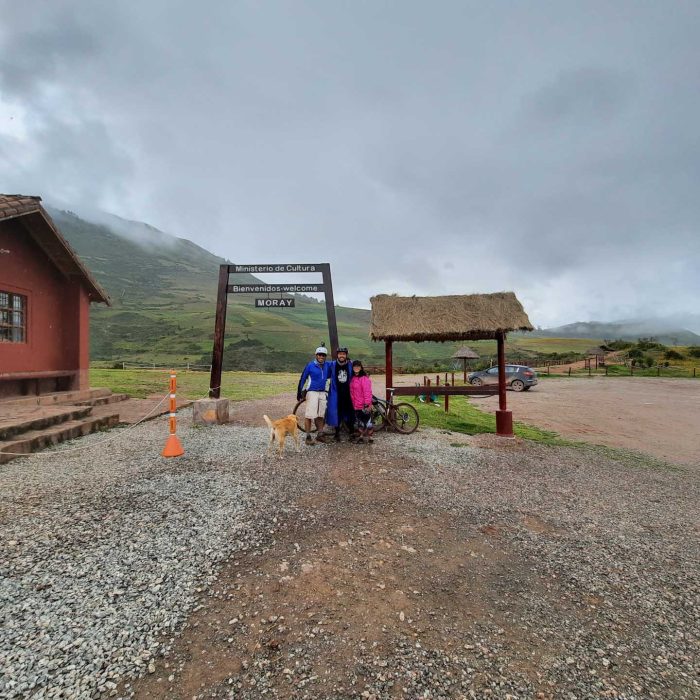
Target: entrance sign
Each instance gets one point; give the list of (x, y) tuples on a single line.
[(274, 288), (326, 287), (260, 269), (275, 303)]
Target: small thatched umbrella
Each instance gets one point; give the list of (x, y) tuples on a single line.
[(464, 354), (463, 317)]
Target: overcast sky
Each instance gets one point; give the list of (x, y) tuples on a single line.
[(549, 148)]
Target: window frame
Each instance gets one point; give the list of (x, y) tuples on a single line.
[(17, 304)]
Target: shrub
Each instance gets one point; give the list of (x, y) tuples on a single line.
[(694, 351), (617, 344), (649, 344), (673, 355), (649, 361)]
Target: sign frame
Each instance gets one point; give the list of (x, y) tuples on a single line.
[(224, 289)]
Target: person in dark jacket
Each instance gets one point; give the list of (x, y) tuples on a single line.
[(340, 408), (314, 383)]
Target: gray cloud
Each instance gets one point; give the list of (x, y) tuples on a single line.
[(548, 148)]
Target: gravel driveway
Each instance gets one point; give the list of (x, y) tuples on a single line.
[(428, 566)]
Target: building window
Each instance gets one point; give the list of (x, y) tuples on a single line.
[(13, 318)]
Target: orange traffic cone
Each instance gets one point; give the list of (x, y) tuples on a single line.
[(173, 446)]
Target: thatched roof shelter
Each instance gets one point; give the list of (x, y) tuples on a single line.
[(463, 317), (465, 353), (597, 351)]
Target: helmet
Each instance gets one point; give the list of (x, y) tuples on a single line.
[(345, 350), (321, 350)]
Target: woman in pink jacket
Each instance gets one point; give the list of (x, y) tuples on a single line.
[(361, 396)]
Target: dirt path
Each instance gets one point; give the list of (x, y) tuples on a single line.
[(422, 567), (655, 416)]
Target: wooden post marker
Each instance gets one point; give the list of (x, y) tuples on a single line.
[(173, 446)]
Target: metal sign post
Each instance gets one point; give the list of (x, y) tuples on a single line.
[(326, 287)]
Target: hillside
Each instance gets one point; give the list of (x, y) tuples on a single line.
[(661, 331), (163, 292)]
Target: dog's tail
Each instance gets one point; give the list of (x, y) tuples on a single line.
[(269, 422)]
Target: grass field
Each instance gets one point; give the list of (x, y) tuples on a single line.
[(238, 386)]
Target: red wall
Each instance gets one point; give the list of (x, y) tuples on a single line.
[(57, 308)]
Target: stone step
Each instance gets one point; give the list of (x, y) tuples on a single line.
[(57, 398), (36, 440), (23, 420), (103, 400)]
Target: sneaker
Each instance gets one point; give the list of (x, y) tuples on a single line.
[(322, 438), (309, 440), (337, 437)]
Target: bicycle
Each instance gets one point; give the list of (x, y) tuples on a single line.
[(401, 417)]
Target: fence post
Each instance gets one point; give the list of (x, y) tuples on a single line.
[(437, 380), (631, 370), (658, 370), (569, 371), (693, 371), (606, 370), (589, 369)]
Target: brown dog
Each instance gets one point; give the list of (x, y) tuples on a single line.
[(279, 429)]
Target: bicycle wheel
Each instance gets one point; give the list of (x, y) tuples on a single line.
[(298, 411), (379, 418), (404, 418)]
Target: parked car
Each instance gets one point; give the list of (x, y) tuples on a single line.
[(518, 377)]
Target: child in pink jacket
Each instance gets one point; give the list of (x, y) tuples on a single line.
[(361, 397)]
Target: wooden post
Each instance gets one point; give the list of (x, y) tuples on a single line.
[(453, 378), (437, 380), (330, 307), (464, 359), (217, 357), (447, 403), (389, 368), (504, 417)]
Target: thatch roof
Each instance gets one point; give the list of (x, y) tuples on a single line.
[(465, 353), (596, 351), (464, 317)]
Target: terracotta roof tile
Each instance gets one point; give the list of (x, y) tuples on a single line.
[(15, 204)]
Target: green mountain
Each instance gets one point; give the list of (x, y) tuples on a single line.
[(163, 292)]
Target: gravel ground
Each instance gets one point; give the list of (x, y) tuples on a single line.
[(516, 570), (103, 551)]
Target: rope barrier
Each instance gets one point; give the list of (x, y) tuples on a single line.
[(99, 442), (91, 445)]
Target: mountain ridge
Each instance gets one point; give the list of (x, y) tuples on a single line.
[(163, 292)]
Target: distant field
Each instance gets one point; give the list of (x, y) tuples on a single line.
[(238, 386)]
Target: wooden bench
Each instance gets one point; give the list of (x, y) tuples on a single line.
[(442, 390), (446, 391), (64, 379)]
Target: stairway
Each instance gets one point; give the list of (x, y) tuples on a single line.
[(30, 424)]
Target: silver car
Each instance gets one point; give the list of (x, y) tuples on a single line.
[(518, 377)]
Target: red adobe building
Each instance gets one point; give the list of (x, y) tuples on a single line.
[(45, 296)]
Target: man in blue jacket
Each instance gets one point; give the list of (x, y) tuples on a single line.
[(314, 383)]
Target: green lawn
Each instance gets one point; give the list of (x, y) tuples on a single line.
[(464, 417)]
